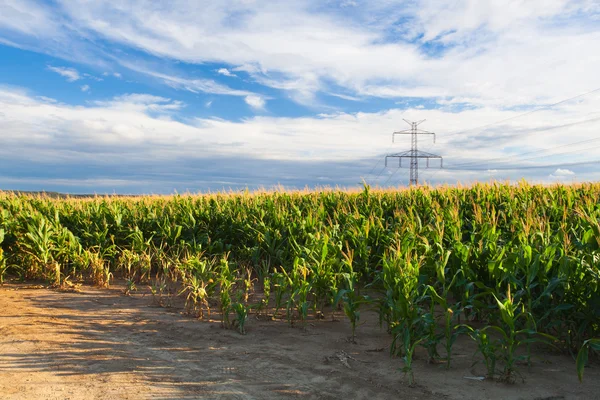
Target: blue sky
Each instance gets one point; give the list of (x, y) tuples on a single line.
[(98, 96)]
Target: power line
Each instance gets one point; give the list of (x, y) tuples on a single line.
[(377, 163), (391, 176), (527, 166), (477, 162), (378, 175), (549, 155), (524, 114)]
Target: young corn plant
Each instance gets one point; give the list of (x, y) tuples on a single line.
[(300, 288), (280, 284), (583, 354), (486, 346), (511, 337), (401, 281), (196, 296), (248, 284), (130, 287), (226, 281), (159, 288), (432, 338), (98, 269), (264, 302), (351, 301), (302, 303), (406, 333), (349, 294), (442, 300), (240, 309)]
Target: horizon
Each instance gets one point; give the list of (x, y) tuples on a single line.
[(279, 189)]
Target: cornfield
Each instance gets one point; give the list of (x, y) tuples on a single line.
[(508, 266)]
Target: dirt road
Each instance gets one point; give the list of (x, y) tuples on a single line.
[(100, 344)]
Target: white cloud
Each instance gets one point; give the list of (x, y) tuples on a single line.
[(28, 17), (304, 49), (85, 88), (256, 102), (140, 125), (117, 75), (225, 71), (208, 104), (71, 74), (562, 174)]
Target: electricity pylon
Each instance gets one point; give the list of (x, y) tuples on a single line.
[(414, 154)]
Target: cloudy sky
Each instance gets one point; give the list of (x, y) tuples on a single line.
[(142, 96)]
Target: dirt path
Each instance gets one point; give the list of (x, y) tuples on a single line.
[(99, 344)]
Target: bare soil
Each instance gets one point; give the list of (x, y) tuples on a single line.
[(101, 344)]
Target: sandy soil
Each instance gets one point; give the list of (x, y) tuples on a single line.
[(100, 344)]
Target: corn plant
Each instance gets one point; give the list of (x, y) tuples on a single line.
[(264, 302), (196, 296), (352, 302), (280, 284), (582, 356), (241, 313), (39, 243), (130, 287), (225, 283), (441, 299), (401, 280), (486, 346), (350, 296), (511, 337)]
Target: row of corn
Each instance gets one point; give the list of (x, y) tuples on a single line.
[(512, 267)]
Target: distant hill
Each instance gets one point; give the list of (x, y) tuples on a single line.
[(58, 195)]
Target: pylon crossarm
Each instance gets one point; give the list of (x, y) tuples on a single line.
[(399, 133), (424, 154), (403, 154)]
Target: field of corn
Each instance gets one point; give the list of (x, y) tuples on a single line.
[(512, 267)]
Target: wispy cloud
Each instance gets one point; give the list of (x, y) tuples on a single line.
[(71, 74), (92, 77), (304, 50), (194, 85), (85, 88)]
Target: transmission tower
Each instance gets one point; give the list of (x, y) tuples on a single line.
[(413, 154)]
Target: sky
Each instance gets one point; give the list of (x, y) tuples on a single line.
[(192, 96)]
